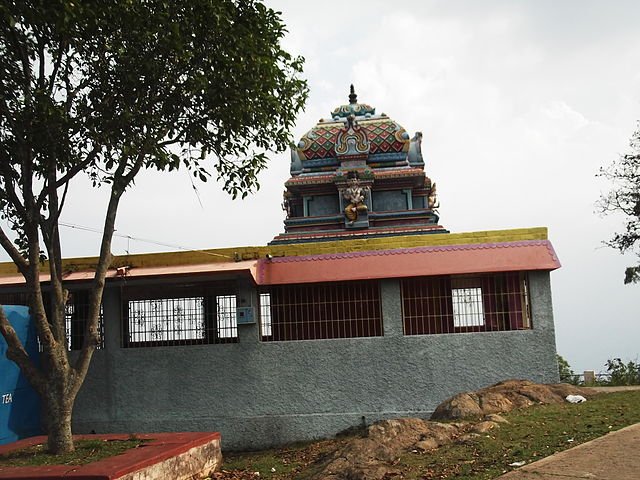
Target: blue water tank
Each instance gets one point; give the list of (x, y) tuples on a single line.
[(19, 403)]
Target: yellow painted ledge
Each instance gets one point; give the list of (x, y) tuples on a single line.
[(297, 249)]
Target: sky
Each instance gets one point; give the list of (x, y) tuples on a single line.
[(519, 102)]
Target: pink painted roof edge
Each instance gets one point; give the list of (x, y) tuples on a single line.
[(434, 249)]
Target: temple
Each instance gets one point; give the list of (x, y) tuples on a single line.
[(357, 174), (364, 308)]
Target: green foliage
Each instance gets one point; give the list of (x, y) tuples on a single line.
[(109, 89), (208, 77), (564, 371), (624, 197), (623, 373)]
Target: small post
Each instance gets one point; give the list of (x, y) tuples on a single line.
[(589, 377)]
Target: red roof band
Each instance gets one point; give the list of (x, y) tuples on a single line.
[(410, 262)]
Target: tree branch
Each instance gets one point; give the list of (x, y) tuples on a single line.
[(12, 251), (56, 67), (19, 355), (9, 189), (121, 181), (41, 64), (24, 59)]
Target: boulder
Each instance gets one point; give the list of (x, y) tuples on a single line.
[(504, 397)]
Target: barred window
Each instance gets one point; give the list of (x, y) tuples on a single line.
[(433, 305), (320, 311), (76, 314), (466, 299), (226, 314), (182, 315), (265, 314)]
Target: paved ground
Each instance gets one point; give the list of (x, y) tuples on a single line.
[(626, 388), (616, 456)]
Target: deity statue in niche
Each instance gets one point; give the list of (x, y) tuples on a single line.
[(354, 194), (286, 203), (432, 198)]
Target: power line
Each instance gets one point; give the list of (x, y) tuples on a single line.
[(143, 240)]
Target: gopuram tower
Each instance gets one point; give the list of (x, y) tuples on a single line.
[(357, 174)]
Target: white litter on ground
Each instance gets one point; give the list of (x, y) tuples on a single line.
[(517, 464), (575, 399)]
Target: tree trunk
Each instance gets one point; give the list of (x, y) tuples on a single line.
[(58, 418)]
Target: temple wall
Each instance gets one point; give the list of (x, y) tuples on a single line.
[(259, 394)]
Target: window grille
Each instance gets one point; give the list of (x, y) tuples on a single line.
[(265, 314), (466, 299), (227, 325), (182, 315), (433, 305), (76, 312), (320, 311)]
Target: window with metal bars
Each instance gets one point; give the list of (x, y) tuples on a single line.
[(76, 313), (320, 311), (178, 315), (460, 304)]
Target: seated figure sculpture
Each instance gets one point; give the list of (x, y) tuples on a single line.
[(354, 194)]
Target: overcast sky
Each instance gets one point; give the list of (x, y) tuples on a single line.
[(519, 103)]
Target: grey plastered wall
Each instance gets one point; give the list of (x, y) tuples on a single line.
[(259, 394)]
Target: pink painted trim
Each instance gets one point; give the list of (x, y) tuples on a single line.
[(526, 255)]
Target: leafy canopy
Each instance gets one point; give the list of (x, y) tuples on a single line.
[(109, 88), (624, 197), (86, 84)]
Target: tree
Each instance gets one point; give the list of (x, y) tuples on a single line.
[(109, 89), (565, 372), (623, 373), (624, 197)]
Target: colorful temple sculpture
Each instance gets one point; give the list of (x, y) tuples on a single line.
[(364, 308), (357, 174)]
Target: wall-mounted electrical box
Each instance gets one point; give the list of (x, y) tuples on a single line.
[(245, 315)]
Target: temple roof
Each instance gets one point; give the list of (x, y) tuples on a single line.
[(355, 131), (339, 260), (385, 136), (353, 107), (528, 255)]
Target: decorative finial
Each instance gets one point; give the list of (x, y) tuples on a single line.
[(353, 98)]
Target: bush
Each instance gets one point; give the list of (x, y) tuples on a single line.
[(623, 373), (564, 371)]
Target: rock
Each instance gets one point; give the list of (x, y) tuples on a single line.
[(484, 427), (494, 417), (428, 444), (373, 456), (504, 397)]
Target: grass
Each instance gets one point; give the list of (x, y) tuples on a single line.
[(532, 434), (87, 451), (279, 463)]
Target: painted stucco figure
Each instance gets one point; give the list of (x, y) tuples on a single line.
[(286, 203), (355, 195), (432, 199)]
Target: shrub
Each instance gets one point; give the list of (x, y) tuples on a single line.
[(623, 373), (564, 371)]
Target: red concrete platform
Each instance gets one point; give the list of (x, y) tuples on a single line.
[(162, 455)]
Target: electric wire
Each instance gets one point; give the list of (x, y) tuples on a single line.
[(138, 239)]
